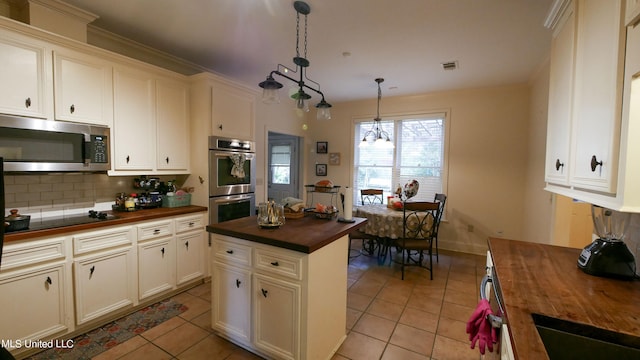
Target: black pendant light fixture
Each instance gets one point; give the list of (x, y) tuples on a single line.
[(377, 136), (270, 86)]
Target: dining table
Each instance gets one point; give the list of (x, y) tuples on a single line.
[(386, 223)]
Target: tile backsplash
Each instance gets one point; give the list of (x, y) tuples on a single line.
[(36, 194)]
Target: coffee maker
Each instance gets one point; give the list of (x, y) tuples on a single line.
[(608, 256)]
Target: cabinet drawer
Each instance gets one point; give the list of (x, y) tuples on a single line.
[(189, 223), (155, 229), (279, 263), (231, 252), (104, 239), (32, 252)]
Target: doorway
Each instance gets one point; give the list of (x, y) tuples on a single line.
[(284, 166)]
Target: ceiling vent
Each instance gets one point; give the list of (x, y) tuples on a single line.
[(449, 65)]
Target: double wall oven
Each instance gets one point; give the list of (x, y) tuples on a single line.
[(232, 179)]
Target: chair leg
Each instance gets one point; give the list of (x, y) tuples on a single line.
[(431, 264), (437, 252)]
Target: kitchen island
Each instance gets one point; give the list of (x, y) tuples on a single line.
[(544, 279), (281, 293)]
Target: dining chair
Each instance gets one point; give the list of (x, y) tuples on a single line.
[(371, 196), (369, 242), (441, 199), (419, 223)]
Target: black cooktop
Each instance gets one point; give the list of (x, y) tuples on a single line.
[(61, 221)]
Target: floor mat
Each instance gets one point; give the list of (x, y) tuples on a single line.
[(103, 338)]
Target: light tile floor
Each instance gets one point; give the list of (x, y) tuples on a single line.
[(387, 318)]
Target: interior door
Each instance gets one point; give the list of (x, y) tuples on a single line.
[(283, 167)]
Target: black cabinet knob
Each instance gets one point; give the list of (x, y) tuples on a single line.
[(559, 165), (238, 282), (72, 108), (264, 292), (27, 103), (595, 163)]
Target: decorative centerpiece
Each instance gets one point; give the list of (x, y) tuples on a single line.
[(270, 215)]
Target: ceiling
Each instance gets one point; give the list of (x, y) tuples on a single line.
[(350, 42)]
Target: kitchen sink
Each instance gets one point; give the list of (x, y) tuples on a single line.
[(568, 340)]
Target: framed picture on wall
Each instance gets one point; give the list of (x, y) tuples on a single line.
[(322, 147), (334, 158), (321, 169)]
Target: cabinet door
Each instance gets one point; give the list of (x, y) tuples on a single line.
[(190, 252), (232, 113), (560, 99), (172, 118), (83, 88), (231, 301), (156, 264), (24, 72), (134, 125), (277, 317), (33, 303), (598, 95), (104, 283)]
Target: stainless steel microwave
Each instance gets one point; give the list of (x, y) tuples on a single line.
[(29, 144)]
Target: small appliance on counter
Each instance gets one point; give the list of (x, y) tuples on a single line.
[(608, 256)]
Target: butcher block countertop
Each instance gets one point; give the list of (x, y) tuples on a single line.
[(123, 218), (306, 234), (544, 279)]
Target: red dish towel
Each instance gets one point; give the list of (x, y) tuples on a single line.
[(479, 328)]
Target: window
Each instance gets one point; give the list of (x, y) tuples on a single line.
[(419, 154), (281, 164)]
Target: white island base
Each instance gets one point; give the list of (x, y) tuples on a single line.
[(280, 303)]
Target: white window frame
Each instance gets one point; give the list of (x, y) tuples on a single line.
[(397, 120)]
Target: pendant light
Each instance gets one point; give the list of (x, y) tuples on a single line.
[(377, 136), (271, 86)]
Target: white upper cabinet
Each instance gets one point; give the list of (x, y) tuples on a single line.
[(227, 106), (83, 88), (172, 115), (151, 123), (25, 70), (560, 98), (606, 108), (598, 95), (134, 120)]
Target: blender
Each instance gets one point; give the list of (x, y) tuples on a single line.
[(608, 255)]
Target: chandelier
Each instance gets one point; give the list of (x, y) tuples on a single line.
[(270, 86), (377, 135)]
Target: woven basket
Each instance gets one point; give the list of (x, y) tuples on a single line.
[(288, 214)]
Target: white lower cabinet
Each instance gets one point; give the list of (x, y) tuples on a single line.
[(231, 310), (33, 302), (104, 283), (275, 302), (277, 316), (156, 260), (35, 287), (190, 256), (104, 270)]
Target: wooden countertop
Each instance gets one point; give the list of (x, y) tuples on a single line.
[(544, 279), (123, 218), (306, 234)]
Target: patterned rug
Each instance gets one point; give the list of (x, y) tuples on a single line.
[(103, 338)]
